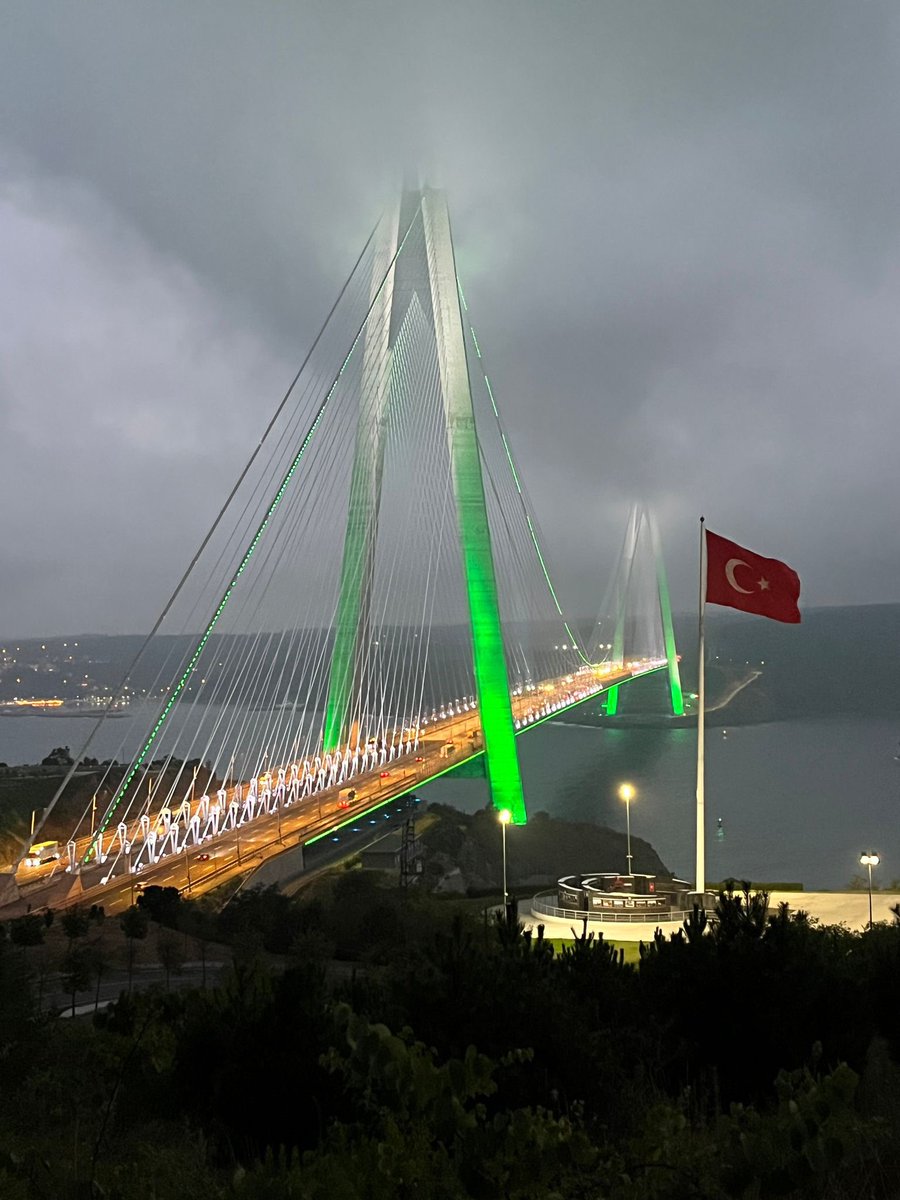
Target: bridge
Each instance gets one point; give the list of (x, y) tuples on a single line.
[(371, 608)]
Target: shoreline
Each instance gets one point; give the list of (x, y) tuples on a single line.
[(662, 721)]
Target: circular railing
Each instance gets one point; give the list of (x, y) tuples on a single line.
[(541, 907)]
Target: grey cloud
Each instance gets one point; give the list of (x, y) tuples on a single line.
[(676, 224)]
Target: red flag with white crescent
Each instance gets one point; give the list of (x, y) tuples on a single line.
[(740, 578)]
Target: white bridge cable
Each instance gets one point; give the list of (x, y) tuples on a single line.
[(380, 698), (377, 647), (119, 692), (251, 649), (416, 422), (261, 529), (269, 745), (527, 507), (420, 449), (631, 600), (263, 485), (277, 562), (175, 643), (255, 710), (531, 611), (214, 651), (432, 525), (386, 643)]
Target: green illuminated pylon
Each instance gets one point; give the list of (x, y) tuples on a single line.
[(623, 586), (426, 273), (491, 679), (665, 611), (636, 522), (352, 617)]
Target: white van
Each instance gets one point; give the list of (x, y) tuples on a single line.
[(42, 852)]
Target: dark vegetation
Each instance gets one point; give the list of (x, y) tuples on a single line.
[(544, 849), (369, 1042)]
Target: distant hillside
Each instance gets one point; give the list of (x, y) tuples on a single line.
[(545, 848), (839, 660)]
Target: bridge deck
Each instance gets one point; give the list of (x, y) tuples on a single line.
[(442, 746)]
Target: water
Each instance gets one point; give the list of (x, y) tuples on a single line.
[(799, 800), (28, 739), (189, 733)]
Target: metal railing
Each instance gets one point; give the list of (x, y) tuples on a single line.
[(662, 916)]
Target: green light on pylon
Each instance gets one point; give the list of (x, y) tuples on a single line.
[(489, 658), (676, 695)]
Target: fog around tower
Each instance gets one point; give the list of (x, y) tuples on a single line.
[(676, 226)]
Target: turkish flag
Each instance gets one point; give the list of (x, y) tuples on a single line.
[(739, 578)]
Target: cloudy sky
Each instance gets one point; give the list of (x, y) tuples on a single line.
[(677, 225)]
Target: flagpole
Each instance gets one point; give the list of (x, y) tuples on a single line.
[(700, 884)]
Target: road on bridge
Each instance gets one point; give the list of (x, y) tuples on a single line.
[(200, 868)]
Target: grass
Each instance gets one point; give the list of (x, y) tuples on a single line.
[(632, 949)]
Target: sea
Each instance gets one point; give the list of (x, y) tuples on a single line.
[(789, 801), (794, 801)]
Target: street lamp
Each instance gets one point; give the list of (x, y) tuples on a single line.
[(626, 793), (504, 816), (869, 860)]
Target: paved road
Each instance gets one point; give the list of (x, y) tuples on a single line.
[(445, 744)]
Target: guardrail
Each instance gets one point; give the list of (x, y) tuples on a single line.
[(664, 916)]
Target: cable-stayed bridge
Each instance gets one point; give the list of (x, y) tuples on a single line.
[(371, 607)]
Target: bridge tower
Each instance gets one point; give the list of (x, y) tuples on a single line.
[(642, 525), (427, 275)]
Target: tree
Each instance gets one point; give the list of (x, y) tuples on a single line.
[(134, 923), (161, 904), (77, 971), (27, 931), (16, 1000), (99, 963), (75, 923), (58, 757), (170, 954)]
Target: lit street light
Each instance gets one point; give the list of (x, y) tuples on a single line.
[(869, 860), (504, 816), (626, 793)]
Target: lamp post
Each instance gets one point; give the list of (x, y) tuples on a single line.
[(869, 860), (504, 816), (626, 793)]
